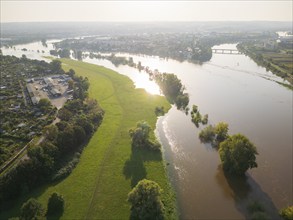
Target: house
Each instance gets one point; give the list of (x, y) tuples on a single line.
[(49, 82), (55, 92)]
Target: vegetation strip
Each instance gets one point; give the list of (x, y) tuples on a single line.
[(108, 169)]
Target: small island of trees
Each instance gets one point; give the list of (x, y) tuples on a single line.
[(236, 152)]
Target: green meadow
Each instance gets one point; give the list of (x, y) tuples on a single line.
[(109, 168)]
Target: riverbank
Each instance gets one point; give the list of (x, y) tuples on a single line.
[(108, 169), (278, 63)]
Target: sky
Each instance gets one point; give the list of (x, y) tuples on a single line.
[(136, 11)]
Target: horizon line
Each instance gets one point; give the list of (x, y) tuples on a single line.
[(6, 22)]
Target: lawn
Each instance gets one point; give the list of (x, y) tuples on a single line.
[(108, 169)]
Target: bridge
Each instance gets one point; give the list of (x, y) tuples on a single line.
[(226, 51)]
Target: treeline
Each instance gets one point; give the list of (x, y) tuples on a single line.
[(169, 83), (65, 53), (173, 89), (58, 153)]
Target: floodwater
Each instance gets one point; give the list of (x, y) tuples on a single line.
[(233, 89)]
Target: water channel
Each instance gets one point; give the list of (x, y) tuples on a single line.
[(233, 89)]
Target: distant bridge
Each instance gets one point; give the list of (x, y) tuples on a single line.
[(226, 51)]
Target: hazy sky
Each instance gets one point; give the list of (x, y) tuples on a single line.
[(14, 11)]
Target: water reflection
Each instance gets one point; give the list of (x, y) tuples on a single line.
[(245, 190), (140, 79)]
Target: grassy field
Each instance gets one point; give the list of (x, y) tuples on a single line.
[(108, 169)]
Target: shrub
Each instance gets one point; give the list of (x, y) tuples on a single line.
[(159, 110), (255, 207), (259, 216), (67, 169), (31, 210)]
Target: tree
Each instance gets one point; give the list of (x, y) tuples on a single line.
[(140, 135), (55, 204), (145, 200), (79, 134), (50, 149), (287, 213), (51, 132), (65, 53), (85, 124), (44, 104), (70, 84), (56, 66), (221, 130), (64, 114), (207, 134), (237, 154), (71, 73), (31, 210), (43, 163), (54, 52), (65, 140)]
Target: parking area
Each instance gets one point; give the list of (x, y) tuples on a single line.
[(54, 88)]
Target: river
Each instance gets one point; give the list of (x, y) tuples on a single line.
[(233, 89)]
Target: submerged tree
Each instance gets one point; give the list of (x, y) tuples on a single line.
[(287, 213), (237, 154), (221, 131)]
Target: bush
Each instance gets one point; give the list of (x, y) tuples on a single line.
[(67, 169), (255, 207), (207, 134), (55, 204), (259, 216), (145, 201), (159, 110), (31, 210)]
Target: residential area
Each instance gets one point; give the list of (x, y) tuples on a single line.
[(23, 84)]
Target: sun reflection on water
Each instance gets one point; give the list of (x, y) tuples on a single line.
[(142, 81)]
